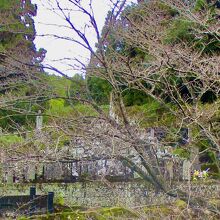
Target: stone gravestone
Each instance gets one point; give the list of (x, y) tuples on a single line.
[(74, 172), (25, 173), (40, 169), (53, 171), (112, 108), (9, 177), (31, 172), (39, 121), (184, 136), (194, 158), (186, 170), (169, 169)]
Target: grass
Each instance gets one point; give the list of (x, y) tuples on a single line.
[(9, 139), (92, 214), (176, 210)]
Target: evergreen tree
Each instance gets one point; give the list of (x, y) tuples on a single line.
[(18, 54), (19, 62)]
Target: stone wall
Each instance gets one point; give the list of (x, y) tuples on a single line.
[(128, 194)]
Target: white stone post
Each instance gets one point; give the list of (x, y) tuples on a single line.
[(39, 121)]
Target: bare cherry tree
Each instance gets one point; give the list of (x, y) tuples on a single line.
[(135, 50)]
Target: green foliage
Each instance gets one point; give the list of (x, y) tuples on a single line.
[(85, 110), (6, 4), (95, 214), (2, 49), (134, 97), (57, 107), (200, 4), (6, 140), (21, 111), (213, 169), (149, 110), (16, 37), (182, 153), (116, 212), (180, 29), (78, 88), (168, 9), (151, 114), (99, 89), (14, 30), (12, 119), (208, 43), (180, 204), (58, 85), (158, 211), (59, 199)]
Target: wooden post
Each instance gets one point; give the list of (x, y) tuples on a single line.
[(50, 197), (32, 197)]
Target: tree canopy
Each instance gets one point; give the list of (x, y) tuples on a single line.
[(19, 62)]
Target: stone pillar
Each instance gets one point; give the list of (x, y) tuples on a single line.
[(152, 133), (39, 121), (169, 168), (54, 171), (186, 170), (116, 107), (9, 177), (40, 169), (112, 110), (31, 172), (25, 173), (194, 158)]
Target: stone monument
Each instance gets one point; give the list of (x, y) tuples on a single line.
[(194, 158), (39, 121), (186, 170)]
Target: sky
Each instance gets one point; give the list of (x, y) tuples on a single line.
[(49, 21)]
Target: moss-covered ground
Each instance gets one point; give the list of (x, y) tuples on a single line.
[(178, 210)]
